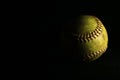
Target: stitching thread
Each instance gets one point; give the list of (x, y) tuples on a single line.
[(86, 37), (93, 55)]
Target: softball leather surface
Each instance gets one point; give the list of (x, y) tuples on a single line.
[(91, 37)]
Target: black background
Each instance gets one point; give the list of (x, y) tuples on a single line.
[(48, 21)]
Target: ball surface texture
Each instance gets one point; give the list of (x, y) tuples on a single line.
[(91, 36)]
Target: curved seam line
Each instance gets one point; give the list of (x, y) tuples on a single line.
[(92, 35), (95, 54)]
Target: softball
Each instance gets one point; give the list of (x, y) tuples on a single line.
[(91, 37)]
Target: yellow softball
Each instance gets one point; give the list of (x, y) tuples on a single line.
[(91, 37)]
